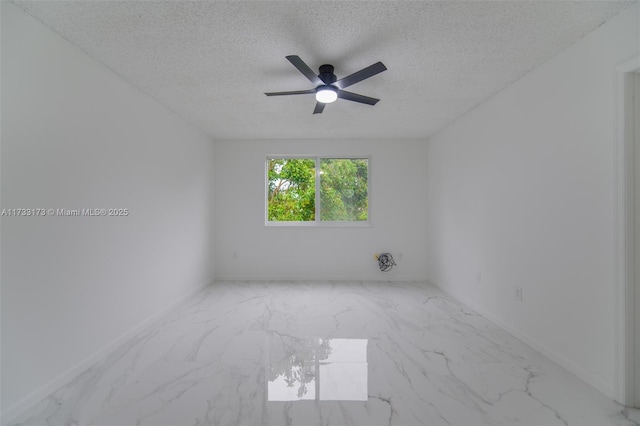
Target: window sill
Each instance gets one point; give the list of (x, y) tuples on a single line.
[(363, 224)]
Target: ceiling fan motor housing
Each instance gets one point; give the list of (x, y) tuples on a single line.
[(326, 74)]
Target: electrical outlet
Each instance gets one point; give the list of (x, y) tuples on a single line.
[(478, 277), (518, 294), (235, 254)]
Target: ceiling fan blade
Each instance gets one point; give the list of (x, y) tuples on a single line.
[(343, 94), (304, 69), (319, 108), (364, 73), (295, 92)]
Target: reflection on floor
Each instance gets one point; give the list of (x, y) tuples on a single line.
[(325, 353), (323, 369)]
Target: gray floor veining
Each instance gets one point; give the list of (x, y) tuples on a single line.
[(325, 353)]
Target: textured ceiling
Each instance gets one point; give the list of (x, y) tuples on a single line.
[(211, 61)]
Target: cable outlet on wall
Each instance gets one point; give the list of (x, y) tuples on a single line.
[(517, 294)]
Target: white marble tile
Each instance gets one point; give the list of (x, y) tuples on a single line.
[(329, 353)]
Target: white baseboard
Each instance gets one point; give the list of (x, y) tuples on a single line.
[(306, 278), (42, 392), (582, 374)]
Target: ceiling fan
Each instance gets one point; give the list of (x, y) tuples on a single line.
[(328, 88)]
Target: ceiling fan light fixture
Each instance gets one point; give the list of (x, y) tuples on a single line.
[(326, 94)]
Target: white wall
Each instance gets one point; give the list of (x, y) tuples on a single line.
[(521, 191), (75, 135), (397, 206)]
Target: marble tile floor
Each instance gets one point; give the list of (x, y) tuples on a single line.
[(325, 353)]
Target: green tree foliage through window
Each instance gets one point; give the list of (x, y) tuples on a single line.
[(342, 183), (292, 189), (343, 189)]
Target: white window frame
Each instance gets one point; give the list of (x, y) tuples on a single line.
[(317, 222)]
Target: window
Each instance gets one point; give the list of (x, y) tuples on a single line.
[(317, 190)]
